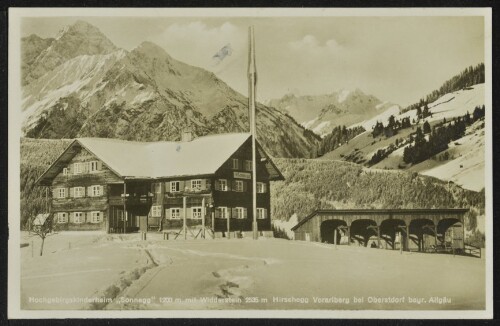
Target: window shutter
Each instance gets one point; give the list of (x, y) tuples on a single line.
[(265, 187), (72, 192), (101, 190), (245, 186), (55, 193), (217, 184), (233, 213), (99, 165), (245, 213), (71, 217), (70, 168), (182, 185), (89, 192), (217, 213), (167, 213), (265, 212), (203, 184)]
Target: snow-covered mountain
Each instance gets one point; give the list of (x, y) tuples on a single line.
[(83, 85), (464, 162), (321, 113)]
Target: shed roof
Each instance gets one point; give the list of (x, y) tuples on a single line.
[(151, 160), (369, 211)]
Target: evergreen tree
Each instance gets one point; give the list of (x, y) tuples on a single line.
[(427, 127)]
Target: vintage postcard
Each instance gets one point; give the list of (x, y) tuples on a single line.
[(297, 163)]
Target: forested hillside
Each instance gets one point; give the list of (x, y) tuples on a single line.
[(36, 157), (314, 184)]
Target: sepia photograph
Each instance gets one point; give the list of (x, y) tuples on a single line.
[(297, 163)]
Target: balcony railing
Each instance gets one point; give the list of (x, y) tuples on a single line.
[(131, 199)]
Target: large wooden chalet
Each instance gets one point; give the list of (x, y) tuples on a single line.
[(125, 186)]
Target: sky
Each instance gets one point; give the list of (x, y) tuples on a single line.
[(397, 59)]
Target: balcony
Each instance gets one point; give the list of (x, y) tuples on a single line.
[(131, 200)]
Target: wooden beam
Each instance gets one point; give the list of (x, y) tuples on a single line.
[(184, 208)]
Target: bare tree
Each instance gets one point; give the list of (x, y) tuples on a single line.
[(41, 229)]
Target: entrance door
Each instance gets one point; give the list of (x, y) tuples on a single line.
[(143, 223)]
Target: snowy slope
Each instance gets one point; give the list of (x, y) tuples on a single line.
[(467, 167), (78, 75), (447, 106)]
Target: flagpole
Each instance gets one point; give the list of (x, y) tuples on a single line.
[(252, 81)]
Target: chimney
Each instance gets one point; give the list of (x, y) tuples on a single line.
[(186, 136)]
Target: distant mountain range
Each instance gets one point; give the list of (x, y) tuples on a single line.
[(322, 113), (80, 84)]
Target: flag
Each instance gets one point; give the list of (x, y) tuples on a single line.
[(222, 53)]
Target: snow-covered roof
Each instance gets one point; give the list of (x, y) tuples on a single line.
[(163, 159), (40, 219)]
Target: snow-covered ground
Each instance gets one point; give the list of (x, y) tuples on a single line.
[(382, 117), (467, 166), (242, 274), (447, 106)]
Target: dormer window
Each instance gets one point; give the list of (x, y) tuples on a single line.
[(65, 171)]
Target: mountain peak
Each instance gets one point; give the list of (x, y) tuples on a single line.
[(85, 38), (151, 50)]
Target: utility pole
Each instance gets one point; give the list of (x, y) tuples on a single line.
[(252, 83)]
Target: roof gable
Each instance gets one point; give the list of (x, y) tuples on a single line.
[(141, 160)]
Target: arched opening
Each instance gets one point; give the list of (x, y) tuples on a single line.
[(362, 230), (328, 230), (422, 234), (390, 233), (450, 233)]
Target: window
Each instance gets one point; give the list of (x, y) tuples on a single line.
[(196, 184), (221, 185), (221, 212), (196, 212), (77, 168), (248, 165), (261, 187), (175, 186), (93, 166), (95, 217), (240, 212), (235, 164), (65, 171), (95, 191), (261, 213), (62, 217), (238, 185), (78, 217), (156, 211), (78, 192), (61, 193), (175, 213)]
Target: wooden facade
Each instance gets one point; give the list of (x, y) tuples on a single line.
[(87, 194), (406, 229)]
